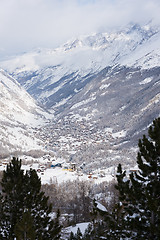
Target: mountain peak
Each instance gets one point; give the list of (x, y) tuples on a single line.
[(104, 39)]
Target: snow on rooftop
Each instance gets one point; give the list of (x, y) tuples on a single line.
[(81, 226), (101, 207)]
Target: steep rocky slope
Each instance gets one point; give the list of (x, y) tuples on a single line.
[(19, 115)]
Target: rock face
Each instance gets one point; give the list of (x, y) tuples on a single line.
[(107, 81)]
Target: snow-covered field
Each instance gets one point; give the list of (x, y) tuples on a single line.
[(51, 174), (81, 226)]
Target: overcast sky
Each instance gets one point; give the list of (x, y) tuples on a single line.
[(29, 24)]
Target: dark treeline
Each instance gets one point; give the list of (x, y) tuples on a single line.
[(24, 209), (30, 211), (136, 214)]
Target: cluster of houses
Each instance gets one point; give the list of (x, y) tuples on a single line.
[(67, 136)]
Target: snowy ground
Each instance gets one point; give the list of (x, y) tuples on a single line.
[(60, 175), (82, 226), (49, 174)]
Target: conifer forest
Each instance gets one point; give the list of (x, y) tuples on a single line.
[(32, 211)]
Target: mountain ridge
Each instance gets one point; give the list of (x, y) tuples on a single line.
[(42, 73), (109, 86)]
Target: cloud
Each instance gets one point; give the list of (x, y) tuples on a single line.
[(28, 24)]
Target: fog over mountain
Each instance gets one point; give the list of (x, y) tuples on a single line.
[(26, 25)]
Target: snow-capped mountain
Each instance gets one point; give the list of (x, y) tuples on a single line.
[(19, 115), (54, 76), (107, 81)]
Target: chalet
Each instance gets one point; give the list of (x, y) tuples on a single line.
[(73, 166)]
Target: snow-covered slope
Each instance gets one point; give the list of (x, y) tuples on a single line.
[(92, 52), (54, 76), (19, 114), (102, 88)]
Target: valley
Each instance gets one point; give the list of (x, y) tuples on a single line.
[(88, 101), (80, 120), (81, 141)]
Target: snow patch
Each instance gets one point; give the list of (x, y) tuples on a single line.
[(146, 80), (81, 226), (83, 102), (104, 86)]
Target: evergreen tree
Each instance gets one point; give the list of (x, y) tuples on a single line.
[(2, 221), (140, 194), (78, 234), (57, 227), (12, 188), (24, 229), (22, 195), (137, 214), (94, 212), (72, 237), (88, 235)]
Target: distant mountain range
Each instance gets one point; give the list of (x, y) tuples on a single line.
[(110, 80)]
